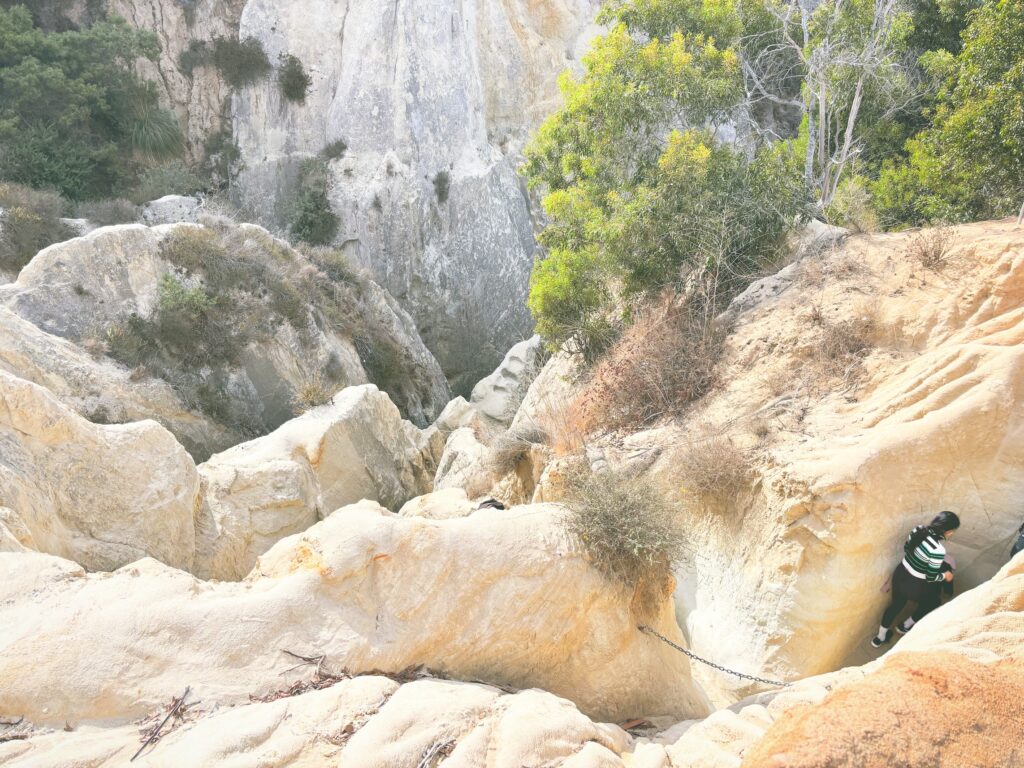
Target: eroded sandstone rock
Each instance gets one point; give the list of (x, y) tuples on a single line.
[(370, 722), (503, 598), (253, 495), (101, 495)]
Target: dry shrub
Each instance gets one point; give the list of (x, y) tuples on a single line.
[(715, 469), (560, 421), (931, 248), (630, 531), (664, 361), (845, 341), (314, 392), (509, 448)]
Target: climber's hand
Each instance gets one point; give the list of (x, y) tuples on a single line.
[(948, 576)]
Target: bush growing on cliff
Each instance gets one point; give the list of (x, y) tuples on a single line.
[(293, 80), (241, 62), (74, 116), (629, 530), (30, 220), (634, 207), (312, 219), (442, 186)]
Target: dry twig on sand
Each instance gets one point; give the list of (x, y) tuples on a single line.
[(152, 734)]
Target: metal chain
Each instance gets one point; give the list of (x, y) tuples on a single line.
[(644, 628)]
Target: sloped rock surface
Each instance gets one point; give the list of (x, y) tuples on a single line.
[(101, 495), (357, 447), (844, 454), (499, 395), (497, 598), (370, 721)]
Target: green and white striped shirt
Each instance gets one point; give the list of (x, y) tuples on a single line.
[(925, 560)]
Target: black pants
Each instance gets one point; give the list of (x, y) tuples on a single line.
[(906, 587)]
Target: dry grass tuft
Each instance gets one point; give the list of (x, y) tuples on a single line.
[(664, 361), (511, 446), (314, 392), (630, 531), (715, 469), (931, 247)]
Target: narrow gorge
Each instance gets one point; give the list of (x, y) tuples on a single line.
[(444, 413)]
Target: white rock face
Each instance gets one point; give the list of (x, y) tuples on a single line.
[(368, 722), (499, 395), (255, 494), (79, 288), (464, 464), (172, 209), (417, 90), (503, 598), (100, 495)]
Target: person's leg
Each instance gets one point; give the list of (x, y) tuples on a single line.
[(925, 605), (899, 600), (896, 604)]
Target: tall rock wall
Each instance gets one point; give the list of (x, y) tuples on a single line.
[(419, 91)]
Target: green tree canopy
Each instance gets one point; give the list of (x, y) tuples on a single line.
[(969, 163), (641, 193), (74, 116)]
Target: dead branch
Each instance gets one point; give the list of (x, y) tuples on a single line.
[(154, 734)]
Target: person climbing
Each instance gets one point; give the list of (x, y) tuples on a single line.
[(920, 577)]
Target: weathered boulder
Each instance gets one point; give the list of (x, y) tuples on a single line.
[(499, 395), (102, 496), (503, 598), (172, 209), (440, 505), (88, 288), (366, 722), (99, 389), (357, 447), (464, 464)]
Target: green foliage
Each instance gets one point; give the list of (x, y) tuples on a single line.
[(442, 186), (312, 220), (969, 162), (334, 150), (30, 220), (241, 62), (293, 80), (74, 116), (634, 207)]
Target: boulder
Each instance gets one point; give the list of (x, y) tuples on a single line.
[(102, 496), (464, 464), (502, 598), (357, 447), (172, 209), (440, 505), (82, 288), (101, 390), (499, 396), (364, 722)]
